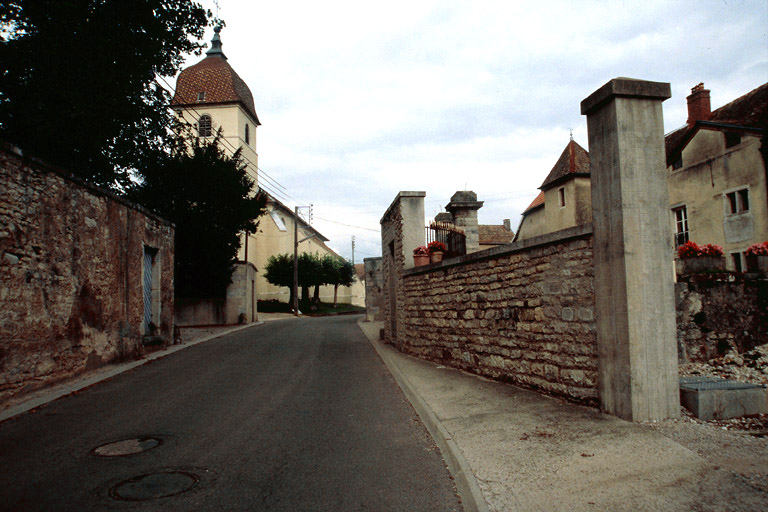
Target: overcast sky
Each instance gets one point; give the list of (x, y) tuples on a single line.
[(359, 100)]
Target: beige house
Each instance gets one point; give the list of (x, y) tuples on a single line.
[(564, 200), (211, 97), (717, 174), (716, 179)]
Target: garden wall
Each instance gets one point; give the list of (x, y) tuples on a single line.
[(720, 311), (72, 275), (523, 313)]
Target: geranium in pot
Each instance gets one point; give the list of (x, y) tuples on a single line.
[(757, 257), (696, 258), (436, 251), (420, 256)]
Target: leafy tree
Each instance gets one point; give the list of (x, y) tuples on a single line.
[(338, 272), (279, 271), (211, 200), (77, 80)]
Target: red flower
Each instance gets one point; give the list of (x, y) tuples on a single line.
[(420, 250), (692, 250), (759, 249), (437, 246)]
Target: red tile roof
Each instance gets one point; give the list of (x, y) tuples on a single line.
[(539, 201), (221, 85), (492, 234), (573, 161), (747, 111)]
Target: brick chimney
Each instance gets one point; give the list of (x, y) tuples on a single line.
[(699, 108)]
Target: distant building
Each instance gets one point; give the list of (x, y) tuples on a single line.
[(492, 235), (564, 200), (717, 174), (211, 97), (716, 179)]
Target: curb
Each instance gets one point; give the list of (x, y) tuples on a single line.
[(472, 498), (84, 381)]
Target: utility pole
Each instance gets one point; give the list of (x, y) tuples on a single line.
[(296, 242), (353, 249)]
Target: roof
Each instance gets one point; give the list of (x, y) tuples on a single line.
[(215, 77), (747, 111), (573, 161), (536, 203), (492, 234), (302, 223)]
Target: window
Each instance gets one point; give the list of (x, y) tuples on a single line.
[(681, 225), (732, 139), (678, 162), (201, 96), (739, 260), (247, 134), (204, 126), (561, 196), (736, 201)]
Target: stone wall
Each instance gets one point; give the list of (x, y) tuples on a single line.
[(374, 290), (718, 312), (522, 313), (71, 275)]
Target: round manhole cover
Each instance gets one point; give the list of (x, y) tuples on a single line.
[(154, 485), (127, 447)]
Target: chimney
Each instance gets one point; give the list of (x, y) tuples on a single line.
[(507, 225), (699, 108)]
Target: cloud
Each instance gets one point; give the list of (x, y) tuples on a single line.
[(361, 100)]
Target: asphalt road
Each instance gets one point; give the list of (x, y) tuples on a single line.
[(296, 415)]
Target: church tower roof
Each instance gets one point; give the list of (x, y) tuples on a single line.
[(212, 81)]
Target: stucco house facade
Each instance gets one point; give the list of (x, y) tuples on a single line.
[(564, 200), (716, 177), (717, 174)]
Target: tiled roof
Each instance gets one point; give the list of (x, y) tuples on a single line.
[(750, 111), (574, 160), (221, 85), (539, 201), (491, 234)]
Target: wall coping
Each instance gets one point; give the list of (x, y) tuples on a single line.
[(563, 235), (400, 195), (40, 166), (628, 88)]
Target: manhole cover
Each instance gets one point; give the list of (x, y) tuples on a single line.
[(154, 486), (127, 447)]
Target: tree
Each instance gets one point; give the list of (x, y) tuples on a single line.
[(211, 200), (77, 80), (279, 272), (338, 272)]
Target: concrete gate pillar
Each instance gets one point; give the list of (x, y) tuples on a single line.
[(633, 254)]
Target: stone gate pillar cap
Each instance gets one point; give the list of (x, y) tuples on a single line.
[(627, 88)]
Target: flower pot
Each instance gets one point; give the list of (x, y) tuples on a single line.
[(420, 259), (700, 264), (436, 256), (757, 263)]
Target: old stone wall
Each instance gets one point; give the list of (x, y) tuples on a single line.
[(717, 312), (71, 274), (391, 267), (522, 313), (374, 290)]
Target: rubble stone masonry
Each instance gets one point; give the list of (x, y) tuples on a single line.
[(71, 273), (523, 313)]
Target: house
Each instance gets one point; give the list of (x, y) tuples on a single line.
[(716, 179), (717, 174), (492, 235), (564, 200), (211, 98)]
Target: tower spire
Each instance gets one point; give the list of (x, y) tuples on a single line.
[(216, 43)]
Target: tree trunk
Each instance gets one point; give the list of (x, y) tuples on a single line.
[(316, 298), (305, 295), (290, 300), (335, 293)]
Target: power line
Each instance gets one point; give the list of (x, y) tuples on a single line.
[(348, 225)]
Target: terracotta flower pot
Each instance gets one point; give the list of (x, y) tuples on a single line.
[(436, 256), (420, 259)]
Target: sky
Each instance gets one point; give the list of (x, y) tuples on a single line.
[(360, 100)]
